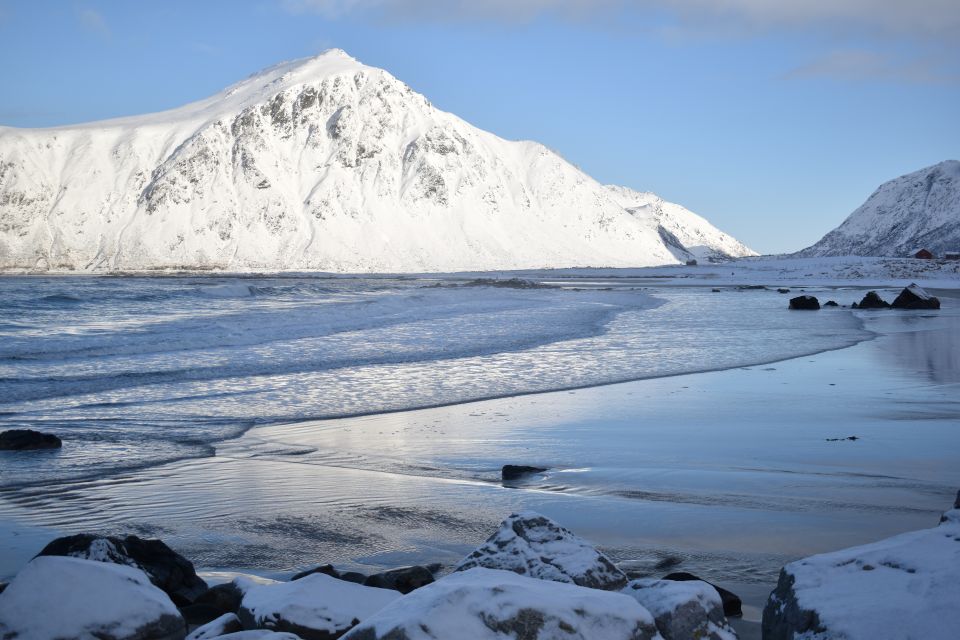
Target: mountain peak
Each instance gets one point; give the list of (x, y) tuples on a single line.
[(320, 163)]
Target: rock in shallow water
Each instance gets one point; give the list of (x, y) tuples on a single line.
[(61, 598), (683, 609), (166, 568), (485, 604), (316, 607), (511, 472), (28, 440), (872, 300), (534, 545), (805, 303), (907, 586)]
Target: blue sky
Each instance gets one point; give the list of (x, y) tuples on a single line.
[(772, 119)]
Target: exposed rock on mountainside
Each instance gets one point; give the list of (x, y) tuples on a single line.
[(688, 234), (920, 210), (317, 164)]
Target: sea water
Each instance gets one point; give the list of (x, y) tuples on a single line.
[(135, 371)]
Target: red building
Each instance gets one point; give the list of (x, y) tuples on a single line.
[(923, 254)]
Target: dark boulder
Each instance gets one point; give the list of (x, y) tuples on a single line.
[(201, 614), (28, 440), (166, 568), (3, 585), (329, 570), (516, 471), (914, 297), (732, 605), (326, 569), (831, 303), (873, 301), (225, 598), (783, 290), (402, 579), (804, 303)]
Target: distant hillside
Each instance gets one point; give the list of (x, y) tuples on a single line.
[(920, 210)]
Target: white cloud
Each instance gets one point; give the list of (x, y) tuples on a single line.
[(918, 18), (863, 65)]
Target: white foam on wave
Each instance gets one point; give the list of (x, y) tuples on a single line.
[(198, 368)]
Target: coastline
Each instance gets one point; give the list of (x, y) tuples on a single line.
[(730, 497)]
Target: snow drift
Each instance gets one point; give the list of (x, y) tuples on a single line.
[(317, 164)]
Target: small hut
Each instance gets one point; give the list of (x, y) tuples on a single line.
[(951, 255), (923, 254)]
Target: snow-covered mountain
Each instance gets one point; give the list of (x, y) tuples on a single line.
[(920, 210), (317, 164), (680, 227)]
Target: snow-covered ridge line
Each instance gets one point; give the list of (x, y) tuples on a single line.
[(680, 226), (920, 210), (320, 164)]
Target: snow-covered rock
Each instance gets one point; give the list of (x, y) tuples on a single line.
[(683, 610), (317, 164), (316, 607), (533, 545), (484, 604), (920, 210), (690, 235), (62, 598), (915, 297), (227, 623), (166, 568), (907, 586)]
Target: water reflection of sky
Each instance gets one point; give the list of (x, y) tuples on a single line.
[(927, 345), (145, 370)]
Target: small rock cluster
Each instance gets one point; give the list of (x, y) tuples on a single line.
[(912, 297), (531, 580)]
